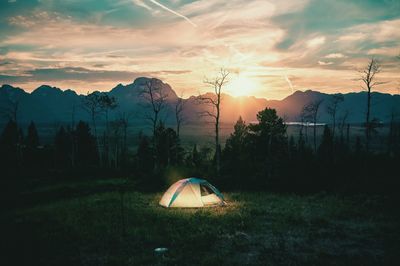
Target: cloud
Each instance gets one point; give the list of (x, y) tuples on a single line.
[(381, 31), (316, 42), (95, 78), (5, 63), (387, 51), (335, 56), (351, 37), (322, 63)]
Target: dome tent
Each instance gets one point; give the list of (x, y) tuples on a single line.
[(191, 193)]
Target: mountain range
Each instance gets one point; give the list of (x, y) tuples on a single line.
[(48, 104)]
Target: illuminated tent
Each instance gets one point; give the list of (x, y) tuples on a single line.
[(191, 192)]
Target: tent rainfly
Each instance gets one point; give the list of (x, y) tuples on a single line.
[(191, 193)]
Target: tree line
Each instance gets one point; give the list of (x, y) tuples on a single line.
[(256, 156)]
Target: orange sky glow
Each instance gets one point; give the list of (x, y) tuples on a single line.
[(271, 48)]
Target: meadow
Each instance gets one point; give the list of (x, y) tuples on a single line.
[(109, 222)]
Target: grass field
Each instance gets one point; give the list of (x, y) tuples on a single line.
[(83, 223)]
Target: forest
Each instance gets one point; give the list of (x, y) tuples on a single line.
[(259, 155)]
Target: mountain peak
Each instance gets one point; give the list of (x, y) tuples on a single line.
[(142, 80), (44, 90), (11, 92), (7, 87)]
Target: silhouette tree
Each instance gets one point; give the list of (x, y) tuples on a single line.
[(63, 148), (32, 138), (93, 104), (332, 110), (123, 120), (235, 155), (270, 128), (268, 144), (145, 160), (368, 78), (10, 141), (167, 146), (214, 102), (305, 118), (179, 116), (156, 100), (31, 146), (393, 136), (195, 158), (311, 111), (325, 150), (107, 103), (118, 141), (86, 150), (237, 140), (343, 123)]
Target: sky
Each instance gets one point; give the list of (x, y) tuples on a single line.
[(271, 48)]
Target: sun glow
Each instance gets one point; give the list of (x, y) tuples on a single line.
[(242, 85)]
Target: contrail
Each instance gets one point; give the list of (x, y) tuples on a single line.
[(141, 4), (174, 12), (289, 82)]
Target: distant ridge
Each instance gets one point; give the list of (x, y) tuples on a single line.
[(48, 104)]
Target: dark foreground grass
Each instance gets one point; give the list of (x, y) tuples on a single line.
[(254, 229)]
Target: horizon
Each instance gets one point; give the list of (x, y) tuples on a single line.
[(193, 95), (271, 49)]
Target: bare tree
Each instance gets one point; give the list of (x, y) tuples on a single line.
[(156, 99), (179, 107), (394, 116), (73, 111), (332, 108), (304, 119), (92, 104), (123, 120), (342, 122), (368, 77), (214, 101), (311, 111), (107, 103)]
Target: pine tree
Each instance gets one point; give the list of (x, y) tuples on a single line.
[(325, 150), (63, 148), (86, 150), (235, 157), (32, 138), (9, 148)]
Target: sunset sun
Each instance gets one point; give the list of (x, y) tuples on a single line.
[(242, 85)]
